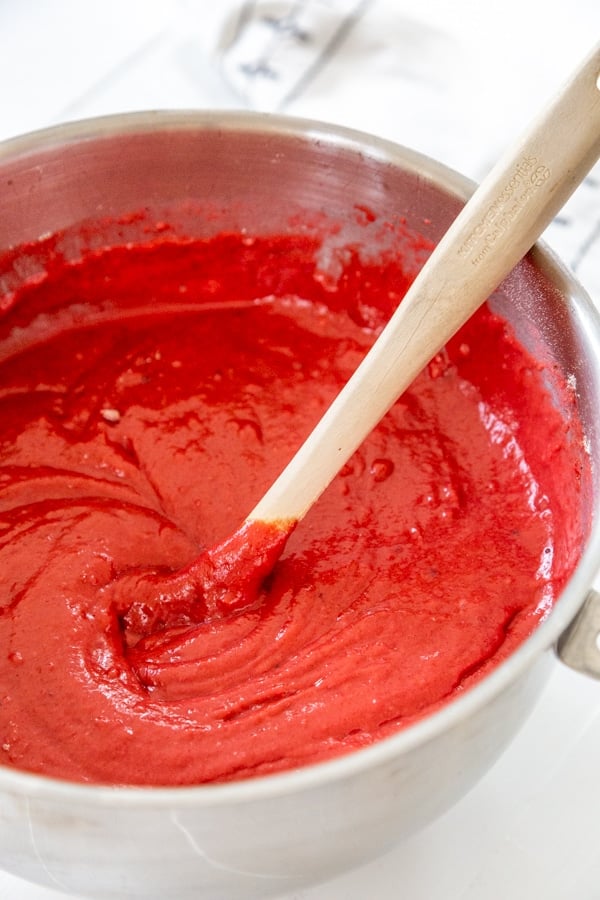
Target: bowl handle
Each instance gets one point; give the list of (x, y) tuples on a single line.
[(579, 645)]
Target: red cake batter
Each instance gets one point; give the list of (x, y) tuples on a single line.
[(138, 435)]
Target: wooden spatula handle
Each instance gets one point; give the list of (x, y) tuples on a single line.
[(499, 224)]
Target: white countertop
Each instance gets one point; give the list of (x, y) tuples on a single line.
[(456, 81)]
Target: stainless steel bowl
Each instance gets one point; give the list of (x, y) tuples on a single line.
[(266, 836)]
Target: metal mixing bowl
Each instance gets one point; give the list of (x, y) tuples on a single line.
[(266, 836)]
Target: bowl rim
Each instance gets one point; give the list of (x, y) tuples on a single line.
[(449, 715)]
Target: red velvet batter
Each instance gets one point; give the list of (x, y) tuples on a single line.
[(135, 437)]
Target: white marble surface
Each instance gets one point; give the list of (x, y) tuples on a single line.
[(457, 81)]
